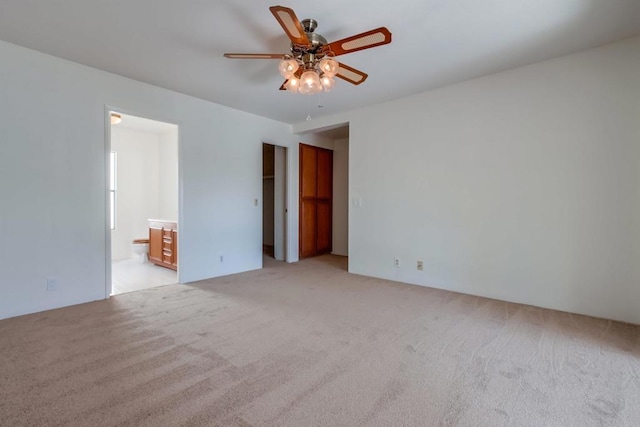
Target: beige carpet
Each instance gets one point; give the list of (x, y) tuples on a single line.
[(309, 344)]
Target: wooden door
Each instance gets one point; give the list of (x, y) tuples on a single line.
[(308, 192), (316, 190), (324, 201)]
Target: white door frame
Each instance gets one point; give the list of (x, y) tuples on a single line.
[(280, 203), (108, 109)]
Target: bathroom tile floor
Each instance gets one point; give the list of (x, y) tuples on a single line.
[(130, 275)]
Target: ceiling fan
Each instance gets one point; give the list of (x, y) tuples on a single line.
[(310, 67)]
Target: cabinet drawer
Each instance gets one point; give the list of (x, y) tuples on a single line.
[(164, 243)]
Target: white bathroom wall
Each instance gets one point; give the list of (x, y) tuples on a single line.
[(340, 227), (138, 193), (53, 168), (168, 175)]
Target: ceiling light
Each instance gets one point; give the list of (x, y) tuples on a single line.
[(310, 83), (316, 77), (328, 66), (327, 82), (310, 67), (292, 84), (115, 118), (288, 67)]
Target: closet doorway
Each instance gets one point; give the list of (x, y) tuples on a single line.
[(274, 197)]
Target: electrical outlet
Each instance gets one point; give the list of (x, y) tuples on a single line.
[(396, 262), (221, 258), (52, 285), (420, 266)]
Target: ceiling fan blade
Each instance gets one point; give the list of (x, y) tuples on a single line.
[(350, 74), (282, 85), (254, 55), (290, 24), (365, 40)]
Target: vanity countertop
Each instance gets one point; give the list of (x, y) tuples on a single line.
[(163, 223)]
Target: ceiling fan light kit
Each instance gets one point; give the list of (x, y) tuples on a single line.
[(316, 75), (310, 68)]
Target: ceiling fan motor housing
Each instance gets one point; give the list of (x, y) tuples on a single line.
[(309, 25), (316, 41)]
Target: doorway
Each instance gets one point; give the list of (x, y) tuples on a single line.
[(143, 195), (274, 206), (316, 200)]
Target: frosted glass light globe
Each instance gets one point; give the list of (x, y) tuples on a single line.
[(329, 66), (287, 68), (292, 85), (327, 82), (310, 83)]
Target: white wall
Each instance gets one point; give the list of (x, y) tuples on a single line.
[(521, 186), (168, 175), (340, 228), (53, 161), (138, 187)]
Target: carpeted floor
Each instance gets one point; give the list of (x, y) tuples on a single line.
[(309, 344)]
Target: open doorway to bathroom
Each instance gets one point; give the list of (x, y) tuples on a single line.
[(143, 194), (274, 206)]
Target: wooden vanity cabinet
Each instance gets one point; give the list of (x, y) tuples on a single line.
[(174, 262), (163, 246), (155, 245)]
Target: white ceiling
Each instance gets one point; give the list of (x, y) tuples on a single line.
[(179, 44)]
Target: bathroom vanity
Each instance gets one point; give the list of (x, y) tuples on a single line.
[(163, 243)]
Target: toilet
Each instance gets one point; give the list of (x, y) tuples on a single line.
[(140, 247)]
